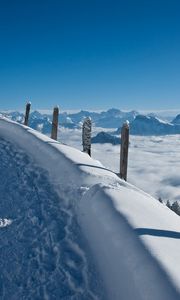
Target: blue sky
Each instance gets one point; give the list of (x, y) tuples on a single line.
[(90, 54)]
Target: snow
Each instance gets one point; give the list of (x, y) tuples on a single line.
[(5, 222), (77, 231), (127, 263), (43, 253)]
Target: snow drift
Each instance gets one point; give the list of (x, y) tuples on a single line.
[(131, 242)]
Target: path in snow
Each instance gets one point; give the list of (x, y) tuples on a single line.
[(43, 254)]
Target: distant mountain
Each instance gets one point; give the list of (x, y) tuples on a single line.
[(104, 137), (176, 120), (37, 120), (150, 125), (112, 118), (40, 122), (15, 116), (79, 116)]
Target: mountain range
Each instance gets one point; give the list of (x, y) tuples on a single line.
[(151, 125), (113, 118)]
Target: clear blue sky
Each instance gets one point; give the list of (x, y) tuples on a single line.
[(90, 53)]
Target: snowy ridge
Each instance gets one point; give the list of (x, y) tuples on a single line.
[(135, 240), (116, 224), (150, 125)]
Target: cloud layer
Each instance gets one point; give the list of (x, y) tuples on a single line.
[(154, 162)]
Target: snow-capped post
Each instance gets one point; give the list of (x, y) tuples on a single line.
[(124, 150), (86, 135), (26, 119), (54, 129)]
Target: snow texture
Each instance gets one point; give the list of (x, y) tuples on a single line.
[(43, 254)]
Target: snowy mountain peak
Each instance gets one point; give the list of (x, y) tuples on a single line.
[(151, 125), (36, 115), (176, 120)]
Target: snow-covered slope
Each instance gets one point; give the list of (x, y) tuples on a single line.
[(76, 231)]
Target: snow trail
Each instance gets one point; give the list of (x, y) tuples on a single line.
[(43, 254)]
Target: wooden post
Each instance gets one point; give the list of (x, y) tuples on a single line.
[(124, 150), (86, 136), (26, 119), (54, 129)]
